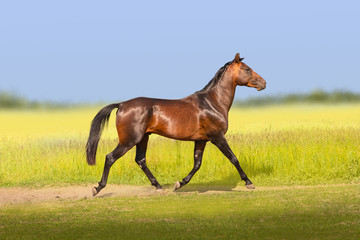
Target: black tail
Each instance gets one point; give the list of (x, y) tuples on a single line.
[(97, 125)]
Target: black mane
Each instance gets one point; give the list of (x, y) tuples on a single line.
[(217, 77)]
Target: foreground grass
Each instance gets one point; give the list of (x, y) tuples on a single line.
[(275, 146), (319, 212)]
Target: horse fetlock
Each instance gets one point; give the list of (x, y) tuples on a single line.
[(101, 185), (156, 184)]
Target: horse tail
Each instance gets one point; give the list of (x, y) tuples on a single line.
[(97, 125)]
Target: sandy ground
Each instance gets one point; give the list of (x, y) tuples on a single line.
[(29, 195), (9, 196)]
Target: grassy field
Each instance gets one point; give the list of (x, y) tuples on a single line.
[(281, 145), (306, 147), (320, 212)]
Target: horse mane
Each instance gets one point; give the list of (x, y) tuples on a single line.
[(218, 75)]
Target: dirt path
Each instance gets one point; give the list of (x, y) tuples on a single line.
[(10, 196), (29, 195)]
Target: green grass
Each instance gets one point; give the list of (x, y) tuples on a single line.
[(269, 158), (282, 145), (321, 212)]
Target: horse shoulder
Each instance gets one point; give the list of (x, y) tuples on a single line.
[(212, 120)]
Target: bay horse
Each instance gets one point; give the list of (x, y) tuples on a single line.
[(200, 117)]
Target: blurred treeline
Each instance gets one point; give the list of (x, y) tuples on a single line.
[(315, 96), (10, 100)]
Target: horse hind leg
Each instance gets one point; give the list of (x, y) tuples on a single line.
[(198, 153), (140, 159), (110, 159)]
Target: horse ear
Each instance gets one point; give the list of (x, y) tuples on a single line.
[(237, 58)]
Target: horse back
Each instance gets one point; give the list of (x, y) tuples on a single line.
[(177, 119)]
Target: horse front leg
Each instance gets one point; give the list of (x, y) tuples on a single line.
[(198, 153), (224, 147)]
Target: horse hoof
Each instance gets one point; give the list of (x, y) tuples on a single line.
[(159, 190), (250, 186), (94, 191), (177, 185)]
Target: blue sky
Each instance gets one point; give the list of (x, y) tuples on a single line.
[(76, 51)]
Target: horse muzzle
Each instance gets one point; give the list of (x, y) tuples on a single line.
[(261, 85)]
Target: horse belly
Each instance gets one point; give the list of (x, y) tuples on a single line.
[(177, 123)]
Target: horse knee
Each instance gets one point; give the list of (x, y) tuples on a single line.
[(141, 162), (109, 160), (234, 161)]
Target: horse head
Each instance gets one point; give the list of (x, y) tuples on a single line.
[(243, 75)]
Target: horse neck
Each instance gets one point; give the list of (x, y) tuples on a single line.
[(222, 94)]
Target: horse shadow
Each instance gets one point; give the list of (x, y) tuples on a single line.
[(227, 184), (107, 195)]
